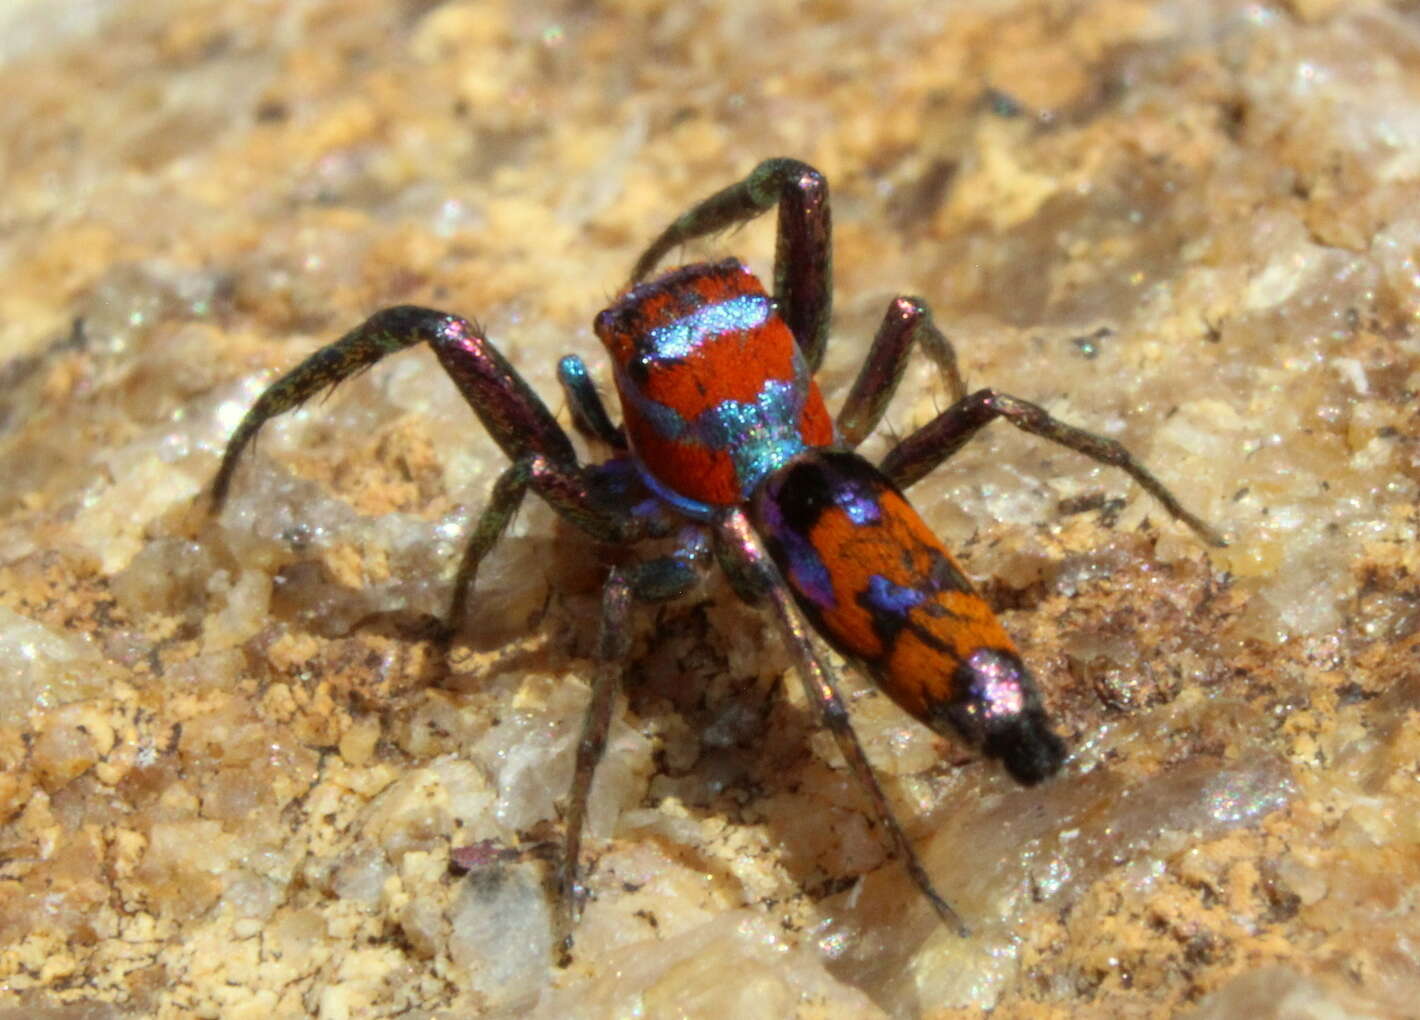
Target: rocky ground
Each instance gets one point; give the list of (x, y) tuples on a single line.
[(235, 763)]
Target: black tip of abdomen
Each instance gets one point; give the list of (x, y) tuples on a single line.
[(1028, 748), (996, 707)]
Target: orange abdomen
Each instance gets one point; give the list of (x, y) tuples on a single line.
[(885, 592)]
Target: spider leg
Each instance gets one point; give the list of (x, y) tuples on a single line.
[(941, 437), (588, 413), (591, 497), (908, 321), (736, 540), (498, 513), (657, 580), (803, 254), (514, 415)]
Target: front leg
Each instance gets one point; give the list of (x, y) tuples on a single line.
[(945, 434), (803, 253), (588, 412), (515, 417)]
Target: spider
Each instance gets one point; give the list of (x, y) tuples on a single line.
[(726, 446)]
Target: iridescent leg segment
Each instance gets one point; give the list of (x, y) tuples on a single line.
[(945, 434), (588, 413), (657, 580), (907, 323), (515, 417)]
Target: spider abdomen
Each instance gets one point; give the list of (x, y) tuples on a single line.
[(883, 590)]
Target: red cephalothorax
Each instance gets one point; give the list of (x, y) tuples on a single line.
[(715, 393)]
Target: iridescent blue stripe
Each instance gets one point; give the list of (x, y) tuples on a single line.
[(888, 597), (692, 508), (860, 505), (759, 437), (806, 569), (680, 339)]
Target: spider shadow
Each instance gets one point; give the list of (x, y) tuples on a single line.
[(759, 761)]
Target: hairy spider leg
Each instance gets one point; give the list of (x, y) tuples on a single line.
[(944, 435), (607, 500), (513, 414), (803, 283), (906, 324), (588, 412), (517, 419), (803, 252), (656, 580)]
